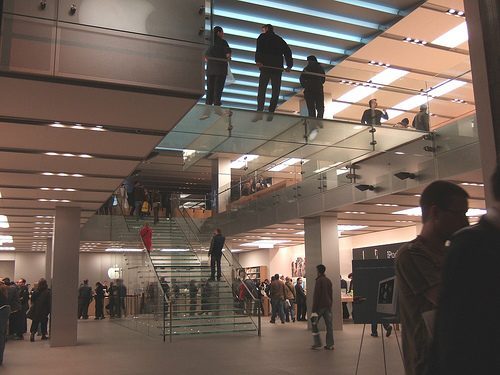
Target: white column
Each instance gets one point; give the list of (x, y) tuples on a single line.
[(48, 261), (65, 262), (221, 183), (322, 247)]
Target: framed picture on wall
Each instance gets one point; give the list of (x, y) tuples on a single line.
[(299, 267)]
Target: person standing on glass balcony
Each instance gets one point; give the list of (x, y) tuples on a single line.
[(215, 254), (421, 119), (373, 116), (269, 54), (216, 57), (313, 87)]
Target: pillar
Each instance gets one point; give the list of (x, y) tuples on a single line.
[(48, 261), (65, 262), (322, 247), (483, 24), (221, 183)]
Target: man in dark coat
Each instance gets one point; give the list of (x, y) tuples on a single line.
[(462, 346), (216, 57), (373, 116), (84, 298), (322, 307), (269, 54), (15, 307), (313, 87), (24, 297), (301, 300), (215, 254)]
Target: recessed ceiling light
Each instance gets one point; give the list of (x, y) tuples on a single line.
[(57, 125), (355, 212), (475, 184)]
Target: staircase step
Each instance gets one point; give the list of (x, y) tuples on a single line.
[(215, 332)]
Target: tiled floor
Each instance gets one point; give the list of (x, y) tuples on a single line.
[(106, 348)]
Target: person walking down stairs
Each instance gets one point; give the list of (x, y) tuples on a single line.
[(215, 254), (147, 237)]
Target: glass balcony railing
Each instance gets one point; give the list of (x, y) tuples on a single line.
[(427, 155)]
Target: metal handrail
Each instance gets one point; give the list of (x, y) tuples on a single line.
[(255, 299), (339, 79)]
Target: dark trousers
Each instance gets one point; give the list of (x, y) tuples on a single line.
[(156, 212), (4, 322), (278, 309), (43, 325), (215, 259), (301, 310), (375, 325), (315, 100), (275, 77), (83, 309), (215, 86), (345, 311), (99, 307), (15, 323)]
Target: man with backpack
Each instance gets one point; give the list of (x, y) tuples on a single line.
[(277, 292)]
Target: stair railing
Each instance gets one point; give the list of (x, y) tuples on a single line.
[(232, 262)]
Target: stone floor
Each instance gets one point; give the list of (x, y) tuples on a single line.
[(107, 348)]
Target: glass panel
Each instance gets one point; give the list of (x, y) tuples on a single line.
[(457, 134)]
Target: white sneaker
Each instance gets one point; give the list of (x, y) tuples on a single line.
[(206, 113)]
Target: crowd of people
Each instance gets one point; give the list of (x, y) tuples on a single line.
[(270, 54), (116, 293), (19, 302)]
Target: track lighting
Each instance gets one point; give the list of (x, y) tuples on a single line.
[(365, 187), (405, 175)]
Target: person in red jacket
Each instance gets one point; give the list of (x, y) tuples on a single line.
[(147, 237)]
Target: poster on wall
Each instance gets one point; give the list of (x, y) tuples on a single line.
[(299, 267)]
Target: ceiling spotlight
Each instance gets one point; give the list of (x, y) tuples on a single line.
[(405, 175), (415, 41), (455, 12), (365, 187)]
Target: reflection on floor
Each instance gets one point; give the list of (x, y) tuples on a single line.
[(106, 348)]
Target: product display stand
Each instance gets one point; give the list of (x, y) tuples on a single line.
[(383, 346)]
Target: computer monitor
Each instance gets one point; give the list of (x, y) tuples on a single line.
[(387, 296)]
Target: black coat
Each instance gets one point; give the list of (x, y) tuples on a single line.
[(309, 82), (40, 301), (217, 244), (219, 50), (373, 118), (271, 49)]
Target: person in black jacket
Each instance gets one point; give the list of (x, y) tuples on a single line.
[(373, 116), (313, 87), (216, 69), (40, 309), (215, 253), (84, 299), (269, 54), (99, 301), (301, 300)]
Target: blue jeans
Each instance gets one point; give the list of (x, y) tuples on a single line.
[(278, 309), (4, 321), (327, 316)]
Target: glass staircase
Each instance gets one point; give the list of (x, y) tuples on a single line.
[(177, 296)]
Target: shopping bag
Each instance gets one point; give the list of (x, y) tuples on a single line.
[(230, 77)]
